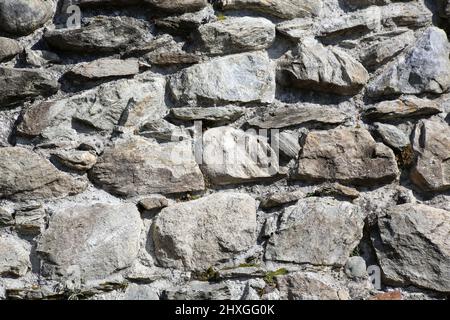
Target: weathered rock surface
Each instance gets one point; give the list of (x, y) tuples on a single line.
[(405, 107), (241, 78), (14, 256), (432, 148), (317, 231), (106, 238), (178, 6), (137, 166), (291, 115), (22, 17), (234, 35), (18, 85), (287, 9), (392, 136), (311, 286), (128, 102), (313, 66), (102, 34), (232, 156), (42, 180), (105, 68), (202, 233), (424, 69), (215, 115), (9, 48), (384, 47), (76, 159), (346, 156), (413, 246)]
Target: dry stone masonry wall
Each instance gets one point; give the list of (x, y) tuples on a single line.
[(226, 149)]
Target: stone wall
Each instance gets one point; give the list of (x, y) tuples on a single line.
[(279, 149)]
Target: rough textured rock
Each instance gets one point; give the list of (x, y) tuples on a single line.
[(14, 256), (232, 156), (42, 180), (202, 233), (102, 34), (224, 149), (405, 107), (238, 78), (413, 246), (286, 9), (313, 66), (311, 286), (424, 69), (137, 166), (9, 48), (106, 238), (215, 115), (392, 136), (105, 68), (291, 115), (22, 17), (337, 230), (177, 5), (347, 156), (432, 148), (17, 85), (234, 35)]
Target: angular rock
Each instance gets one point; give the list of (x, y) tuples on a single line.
[(336, 190), (235, 35), (106, 238), (423, 69), (273, 200), (105, 68), (26, 176), (292, 115), (178, 6), (241, 78), (311, 286), (296, 29), (202, 233), (197, 290), (405, 107), (14, 256), (313, 66), (233, 156), (9, 48), (22, 17), (384, 47), (317, 231), (285, 9), (357, 4), (41, 58), (102, 34), (18, 85), (30, 220), (349, 156), (136, 166), (411, 14), (153, 202), (185, 23), (217, 115), (392, 136), (413, 246), (432, 148), (361, 21)]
